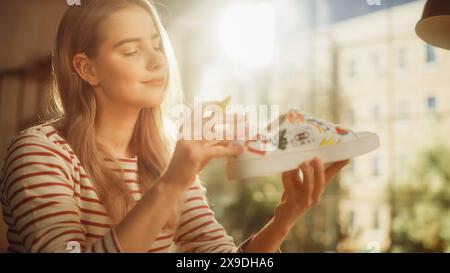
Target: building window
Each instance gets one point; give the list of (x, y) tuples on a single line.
[(352, 69), (375, 60), (402, 57), (402, 159), (431, 54), (376, 65), (376, 218), (403, 109), (431, 104), (376, 113), (350, 117), (376, 166)]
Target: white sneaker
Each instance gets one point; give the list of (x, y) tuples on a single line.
[(299, 137)]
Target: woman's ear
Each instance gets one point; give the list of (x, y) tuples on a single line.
[(85, 68)]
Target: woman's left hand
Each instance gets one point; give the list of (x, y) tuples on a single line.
[(300, 194)]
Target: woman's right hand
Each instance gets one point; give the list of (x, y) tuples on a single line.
[(191, 155)]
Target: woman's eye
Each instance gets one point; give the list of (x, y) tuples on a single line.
[(131, 53)]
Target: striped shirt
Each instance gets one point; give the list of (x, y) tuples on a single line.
[(48, 201)]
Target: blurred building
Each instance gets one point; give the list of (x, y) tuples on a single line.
[(368, 73), (373, 73)]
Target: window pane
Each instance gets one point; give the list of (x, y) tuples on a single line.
[(431, 103), (431, 54)]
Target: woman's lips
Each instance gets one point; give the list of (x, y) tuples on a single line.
[(155, 82)]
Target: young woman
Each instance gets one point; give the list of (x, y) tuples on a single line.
[(103, 173)]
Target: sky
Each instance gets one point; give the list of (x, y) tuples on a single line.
[(345, 9)]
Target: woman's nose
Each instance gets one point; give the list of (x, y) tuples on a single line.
[(155, 61)]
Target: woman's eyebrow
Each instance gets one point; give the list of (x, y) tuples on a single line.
[(128, 40), (131, 40)]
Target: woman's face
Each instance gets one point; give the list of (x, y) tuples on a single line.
[(130, 65)]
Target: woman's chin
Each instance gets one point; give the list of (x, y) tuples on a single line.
[(149, 98), (151, 102)]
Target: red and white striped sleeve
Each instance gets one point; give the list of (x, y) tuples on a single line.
[(198, 229), (37, 190)]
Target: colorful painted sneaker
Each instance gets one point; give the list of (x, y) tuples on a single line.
[(298, 138)]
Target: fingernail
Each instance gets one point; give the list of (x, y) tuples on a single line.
[(318, 161), (304, 165)]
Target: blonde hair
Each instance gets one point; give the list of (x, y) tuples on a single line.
[(73, 107)]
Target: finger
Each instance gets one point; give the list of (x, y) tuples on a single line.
[(319, 176), (293, 175), (218, 143), (203, 164), (307, 179), (283, 197), (331, 171), (293, 178), (224, 151), (289, 189)]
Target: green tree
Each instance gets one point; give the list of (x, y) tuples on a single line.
[(422, 199)]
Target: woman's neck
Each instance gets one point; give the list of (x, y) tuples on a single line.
[(114, 130)]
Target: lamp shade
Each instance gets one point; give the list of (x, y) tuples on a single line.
[(434, 27)]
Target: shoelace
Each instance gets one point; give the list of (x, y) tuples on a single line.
[(324, 124)]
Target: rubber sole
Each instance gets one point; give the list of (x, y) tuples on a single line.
[(272, 164)]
